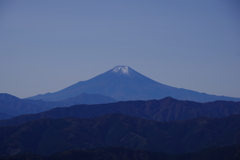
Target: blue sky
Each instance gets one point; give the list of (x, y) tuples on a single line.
[(47, 45)]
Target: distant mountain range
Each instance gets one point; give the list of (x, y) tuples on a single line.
[(167, 109), (49, 136), (13, 106), (123, 83), (84, 121)]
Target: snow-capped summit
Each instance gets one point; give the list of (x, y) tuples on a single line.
[(124, 83), (122, 70)]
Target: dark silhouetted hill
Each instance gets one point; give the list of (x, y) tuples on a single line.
[(122, 153), (49, 136), (167, 109)]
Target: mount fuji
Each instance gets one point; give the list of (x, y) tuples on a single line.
[(123, 83)]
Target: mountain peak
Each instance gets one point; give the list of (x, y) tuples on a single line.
[(123, 69), (124, 83)]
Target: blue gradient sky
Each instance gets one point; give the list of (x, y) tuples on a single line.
[(47, 45)]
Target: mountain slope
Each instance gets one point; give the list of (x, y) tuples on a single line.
[(124, 83), (5, 116), (48, 136), (167, 109), (8, 97), (12, 105)]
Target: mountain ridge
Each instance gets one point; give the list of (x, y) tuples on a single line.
[(167, 109), (14, 106)]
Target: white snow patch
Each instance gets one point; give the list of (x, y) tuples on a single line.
[(121, 69)]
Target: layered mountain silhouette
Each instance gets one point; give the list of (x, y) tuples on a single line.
[(13, 106), (132, 128), (167, 109), (49, 136), (123, 83)]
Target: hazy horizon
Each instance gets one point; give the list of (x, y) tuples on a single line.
[(46, 46)]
